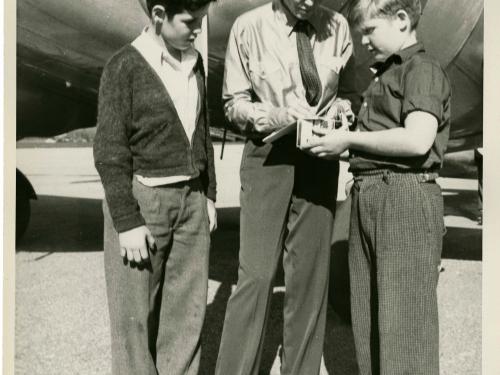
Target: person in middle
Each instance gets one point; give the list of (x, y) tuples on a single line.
[(286, 60)]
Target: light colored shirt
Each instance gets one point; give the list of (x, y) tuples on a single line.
[(180, 83), (262, 68)]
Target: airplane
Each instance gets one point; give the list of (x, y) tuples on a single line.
[(62, 47)]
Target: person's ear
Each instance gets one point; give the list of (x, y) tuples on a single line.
[(403, 20), (158, 14)]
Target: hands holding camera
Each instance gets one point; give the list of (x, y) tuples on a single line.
[(332, 142)]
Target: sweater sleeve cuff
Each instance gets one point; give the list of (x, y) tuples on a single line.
[(126, 223)]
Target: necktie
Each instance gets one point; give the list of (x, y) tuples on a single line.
[(308, 70)]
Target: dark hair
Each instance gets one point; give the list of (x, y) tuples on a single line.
[(365, 9), (172, 7)]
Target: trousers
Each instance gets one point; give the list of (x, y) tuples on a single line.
[(395, 245), (157, 311), (285, 210)]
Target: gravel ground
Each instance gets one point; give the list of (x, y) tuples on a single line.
[(61, 312)]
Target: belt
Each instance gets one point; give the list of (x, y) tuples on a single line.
[(421, 176)]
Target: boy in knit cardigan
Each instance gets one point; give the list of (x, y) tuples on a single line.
[(154, 154)]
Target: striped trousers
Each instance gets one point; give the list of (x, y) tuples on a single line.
[(395, 247)]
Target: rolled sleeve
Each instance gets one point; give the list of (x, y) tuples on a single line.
[(240, 107), (237, 86), (425, 87)]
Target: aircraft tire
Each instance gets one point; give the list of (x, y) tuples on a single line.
[(23, 213), (24, 193)]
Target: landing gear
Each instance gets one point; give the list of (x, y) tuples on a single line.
[(24, 193), (23, 213)]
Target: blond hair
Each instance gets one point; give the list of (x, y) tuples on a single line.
[(362, 10)]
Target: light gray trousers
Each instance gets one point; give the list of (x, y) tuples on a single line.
[(157, 312)]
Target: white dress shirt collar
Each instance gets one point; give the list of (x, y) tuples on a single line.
[(155, 52)]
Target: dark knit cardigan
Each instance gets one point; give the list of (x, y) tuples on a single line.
[(139, 132)]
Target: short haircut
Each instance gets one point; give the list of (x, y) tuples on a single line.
[(362, 10), (172, 7)]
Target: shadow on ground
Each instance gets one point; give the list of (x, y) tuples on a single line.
[(339, 356), (461, 203), (60, 224), (462, 243)]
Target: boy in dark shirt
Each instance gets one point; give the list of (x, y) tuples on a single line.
[(397, 208), (154, 154)]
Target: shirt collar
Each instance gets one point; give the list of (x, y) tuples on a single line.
[(288, 20), (398, 58), (156, 53)]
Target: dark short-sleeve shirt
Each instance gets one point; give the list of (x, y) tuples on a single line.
[(408, 81)]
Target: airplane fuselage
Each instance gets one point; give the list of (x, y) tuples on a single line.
[(62, 47)]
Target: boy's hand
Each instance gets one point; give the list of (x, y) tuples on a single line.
[(134, 244), (212, 214), (330, 146)]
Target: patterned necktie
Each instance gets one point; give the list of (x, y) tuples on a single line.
[(308, 70)]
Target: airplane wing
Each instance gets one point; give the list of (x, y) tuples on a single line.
[(62, 47)]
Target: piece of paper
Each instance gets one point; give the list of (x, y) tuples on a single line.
[(280, 133)]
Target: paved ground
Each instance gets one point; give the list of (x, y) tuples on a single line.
[(61, 314)]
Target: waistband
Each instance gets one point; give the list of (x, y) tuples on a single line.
[(193, 183), (421, 176)]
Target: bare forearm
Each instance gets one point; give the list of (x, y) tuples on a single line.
[(414, 139), (392, 142)]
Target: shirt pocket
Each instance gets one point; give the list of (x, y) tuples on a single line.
[(329, 70), (332, 64), (384, 104), (273, 79)]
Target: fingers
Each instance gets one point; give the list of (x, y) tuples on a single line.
[(262, 125), (316, 130), (213, 223), (134, 244), (137, 255), (143, 254), (130, 255), (344, 155), (212, 215), (314, 145), (150, 240), (317, 150)]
